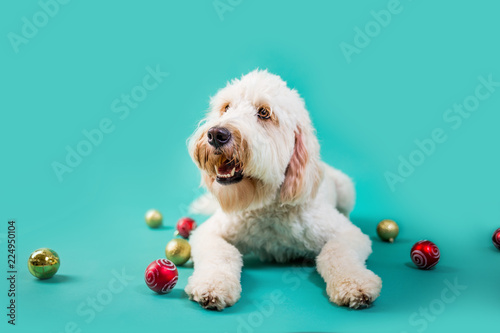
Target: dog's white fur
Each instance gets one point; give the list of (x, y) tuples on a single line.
[(289, 204)]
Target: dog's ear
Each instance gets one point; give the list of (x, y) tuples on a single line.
[(303, 174)]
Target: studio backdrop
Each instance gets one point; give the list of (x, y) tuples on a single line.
[(98, 100)]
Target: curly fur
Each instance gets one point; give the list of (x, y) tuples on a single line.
[(288, 205)]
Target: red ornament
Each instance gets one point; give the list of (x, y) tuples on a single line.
[(161, 276), (425, 254), (185, 225), (496, 238)]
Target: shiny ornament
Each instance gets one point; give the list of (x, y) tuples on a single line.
[(178, 251), (388, 230), (153, 218), (161, 276), (496, 238), (184, 226), (425, 254), (43, 263)]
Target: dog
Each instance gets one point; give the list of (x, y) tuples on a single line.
[(271, 195)]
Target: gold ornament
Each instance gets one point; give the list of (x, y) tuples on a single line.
[(43, 263), (178, 251), (153, 218), (387, 230)]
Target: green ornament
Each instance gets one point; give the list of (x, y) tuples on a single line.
[(388, 230), (153, 218), (43, 263), (178, 251)]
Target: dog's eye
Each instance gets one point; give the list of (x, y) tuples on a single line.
[(225, 108), (263, 113)]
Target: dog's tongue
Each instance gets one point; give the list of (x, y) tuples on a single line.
[(226, 168)]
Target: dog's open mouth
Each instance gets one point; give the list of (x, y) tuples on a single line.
[(229, 172)]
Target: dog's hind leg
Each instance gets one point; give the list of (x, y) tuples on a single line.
[(341, 263), (206, 204), (215, 283), (345, 195)]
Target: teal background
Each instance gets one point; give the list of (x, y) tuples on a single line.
[(367, 113)]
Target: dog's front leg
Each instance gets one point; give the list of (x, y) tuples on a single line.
[(341, 263), (215, 283)]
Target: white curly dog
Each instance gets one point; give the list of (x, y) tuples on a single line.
[(259, 157)]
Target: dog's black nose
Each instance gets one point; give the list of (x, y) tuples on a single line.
[(218, 136)]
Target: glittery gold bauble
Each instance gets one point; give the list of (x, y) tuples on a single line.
[(153, 218), (43, 263), (178, 251), (387, 230)]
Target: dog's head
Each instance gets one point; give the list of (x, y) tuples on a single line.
[(257, 146)]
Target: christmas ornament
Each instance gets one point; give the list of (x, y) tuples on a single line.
[(496, 238), (178, 251), (161, 276), (425, 254), (184, 227), (388, 230), (43, 263), (153, 218)]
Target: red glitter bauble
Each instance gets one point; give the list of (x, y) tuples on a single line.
[(161, 276), (425, 254), (185, 225), (496, 238)]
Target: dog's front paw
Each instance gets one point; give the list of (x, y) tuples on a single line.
[(357, 291), (214, 292)]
